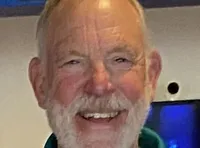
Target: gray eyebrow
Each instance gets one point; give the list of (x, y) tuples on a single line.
[(128, 49), (123, 48), (59, 56)]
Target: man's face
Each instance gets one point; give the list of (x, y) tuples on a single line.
[(95, 74)]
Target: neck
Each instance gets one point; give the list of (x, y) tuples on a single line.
[(135, 145), (59, 146)]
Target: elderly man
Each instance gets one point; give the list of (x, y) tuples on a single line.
[(96, 74)]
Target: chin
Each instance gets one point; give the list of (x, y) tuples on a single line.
[(98, 140)]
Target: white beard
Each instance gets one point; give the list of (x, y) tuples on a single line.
[(61, 120)]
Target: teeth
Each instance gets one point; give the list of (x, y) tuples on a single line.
[(100, 115)]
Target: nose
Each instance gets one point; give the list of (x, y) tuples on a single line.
[(99, 83)]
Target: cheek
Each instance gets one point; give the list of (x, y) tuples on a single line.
[(67, 87), (132, 86)]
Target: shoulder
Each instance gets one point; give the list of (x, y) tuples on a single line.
[(150, 139), (51, 142)]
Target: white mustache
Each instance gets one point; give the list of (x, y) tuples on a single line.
[(85, 103)]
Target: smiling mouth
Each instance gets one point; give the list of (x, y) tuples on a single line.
[(100, 117), (101, 120)]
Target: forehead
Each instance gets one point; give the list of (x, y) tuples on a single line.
[(95, 24)]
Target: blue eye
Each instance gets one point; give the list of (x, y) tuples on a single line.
[(121, 60), (72, 62), (121, 63)]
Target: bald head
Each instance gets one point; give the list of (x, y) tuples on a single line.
[(98, 5)]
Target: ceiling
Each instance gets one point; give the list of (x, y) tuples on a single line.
[(14, 3), (34, 7)]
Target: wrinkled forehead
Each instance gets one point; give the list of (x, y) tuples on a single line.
[(71, 13), (73, 16)]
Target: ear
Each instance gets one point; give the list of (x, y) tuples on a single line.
[(37, 80), (154, 69)]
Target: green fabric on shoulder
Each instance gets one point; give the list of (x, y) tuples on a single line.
[(150, 139), (147, 139)]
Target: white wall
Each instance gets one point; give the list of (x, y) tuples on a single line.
[(175, 32), (22, 123)]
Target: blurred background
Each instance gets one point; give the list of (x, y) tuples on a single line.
[(175, 114)]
